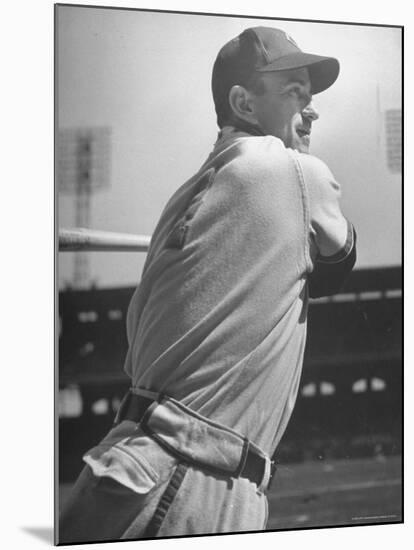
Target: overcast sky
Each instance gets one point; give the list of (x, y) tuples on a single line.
[(147, 77)]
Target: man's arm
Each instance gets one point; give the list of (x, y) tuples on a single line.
[(333, 238), (330, 272)]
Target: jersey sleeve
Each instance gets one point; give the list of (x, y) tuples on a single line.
[(333, 238), (328, 226)]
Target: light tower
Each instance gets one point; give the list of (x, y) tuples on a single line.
[(83, 166), (393, 128)]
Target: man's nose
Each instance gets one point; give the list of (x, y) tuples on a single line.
[(310, 112)]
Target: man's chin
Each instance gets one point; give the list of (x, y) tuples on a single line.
[(300, 145), (303, 144), (301, 148)]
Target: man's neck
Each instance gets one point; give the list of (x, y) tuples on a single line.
[(248, 127)]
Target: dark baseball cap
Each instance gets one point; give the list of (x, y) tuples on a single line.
[(266, 49)]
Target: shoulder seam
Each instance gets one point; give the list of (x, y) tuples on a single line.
[(305, 206)]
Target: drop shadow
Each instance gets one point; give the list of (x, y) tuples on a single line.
[(43, 533)]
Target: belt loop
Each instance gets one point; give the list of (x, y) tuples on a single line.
[(267, 476), (273, 469)]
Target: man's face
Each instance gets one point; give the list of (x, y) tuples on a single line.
[(284, 109)]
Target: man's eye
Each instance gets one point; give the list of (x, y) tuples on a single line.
[(295, 91), (301, 94)]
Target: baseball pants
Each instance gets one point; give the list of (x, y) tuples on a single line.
[(133, 487)]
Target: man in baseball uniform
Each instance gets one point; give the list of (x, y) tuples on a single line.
[(217, 326)]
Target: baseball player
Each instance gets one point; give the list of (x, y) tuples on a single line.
[(217, 326)]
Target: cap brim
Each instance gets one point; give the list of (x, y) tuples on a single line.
[(323, 71)]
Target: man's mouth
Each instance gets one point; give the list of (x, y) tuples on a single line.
[(302, 132)]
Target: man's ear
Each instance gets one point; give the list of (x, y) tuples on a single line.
[(240, 103)]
